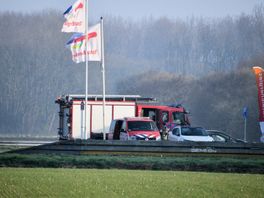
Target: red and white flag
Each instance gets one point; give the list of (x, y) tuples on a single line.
[(78, 45), (75, 18), (259, 72)]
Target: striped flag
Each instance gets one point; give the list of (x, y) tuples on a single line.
[(75, 18), (78, 45)]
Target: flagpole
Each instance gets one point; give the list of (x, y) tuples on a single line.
[(103, 72), (245, 129), (86, 70)]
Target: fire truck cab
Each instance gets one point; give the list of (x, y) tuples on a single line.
[(168, 116)]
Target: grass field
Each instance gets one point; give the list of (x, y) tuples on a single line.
[(39, 182)]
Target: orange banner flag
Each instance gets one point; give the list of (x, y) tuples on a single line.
[(259, 72)]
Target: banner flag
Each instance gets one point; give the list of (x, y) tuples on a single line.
[(259, 72), (245, 112), (77, 44), (75, 18)]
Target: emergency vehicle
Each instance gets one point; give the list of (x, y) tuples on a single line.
[(134, 128), (72, 113)]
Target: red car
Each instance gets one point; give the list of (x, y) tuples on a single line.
[(134, 128)]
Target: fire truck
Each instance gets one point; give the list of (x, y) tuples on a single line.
[(72, 116)]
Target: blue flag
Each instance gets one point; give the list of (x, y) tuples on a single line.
[(245, 112)]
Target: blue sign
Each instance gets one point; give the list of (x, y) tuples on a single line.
[(245, 112)]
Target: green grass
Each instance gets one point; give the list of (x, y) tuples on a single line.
[(250, 164), (28, 182)]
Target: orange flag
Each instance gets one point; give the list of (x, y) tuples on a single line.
[(259, 72)]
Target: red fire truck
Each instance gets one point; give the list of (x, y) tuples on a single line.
[(72, 114)]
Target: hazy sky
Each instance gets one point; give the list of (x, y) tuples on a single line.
[(137, 9)]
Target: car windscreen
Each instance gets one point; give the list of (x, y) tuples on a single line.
[(193, 131), (141, 126)]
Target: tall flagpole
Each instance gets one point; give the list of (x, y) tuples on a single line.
[(245, 129), (103, 72), (86, 70)]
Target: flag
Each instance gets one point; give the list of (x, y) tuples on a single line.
[(77, 45), (75, 17), (245, 112), (94, 43), (259, 72)]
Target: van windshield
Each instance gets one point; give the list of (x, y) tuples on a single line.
[(142, 126), (193, 131)]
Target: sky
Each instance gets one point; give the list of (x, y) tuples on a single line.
[(137, 9)]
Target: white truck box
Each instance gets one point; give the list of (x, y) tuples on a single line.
[(94, 116)]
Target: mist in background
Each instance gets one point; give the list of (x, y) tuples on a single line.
[(201, 62)]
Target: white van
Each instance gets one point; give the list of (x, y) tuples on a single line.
[(188, 133)]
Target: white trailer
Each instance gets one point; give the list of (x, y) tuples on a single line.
[(72, 113)]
